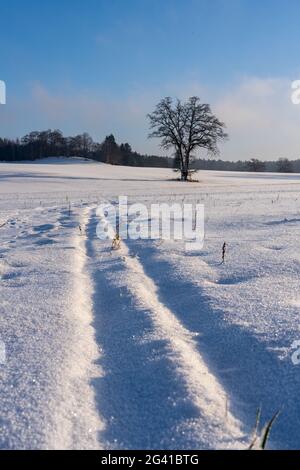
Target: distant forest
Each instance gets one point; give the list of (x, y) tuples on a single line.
[(36, 145), (50, 143)]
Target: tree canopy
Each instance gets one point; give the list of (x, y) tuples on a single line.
[(186, 127)]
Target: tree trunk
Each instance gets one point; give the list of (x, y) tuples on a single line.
[(184, 174), (185, 168)]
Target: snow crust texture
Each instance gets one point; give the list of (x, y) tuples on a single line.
[(148, 346)]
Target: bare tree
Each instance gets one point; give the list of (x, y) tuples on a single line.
[(186, 127)]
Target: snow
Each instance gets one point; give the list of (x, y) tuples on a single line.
[(148, 346)]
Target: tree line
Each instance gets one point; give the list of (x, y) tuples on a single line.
[(36, 145), (52, 143), (282, 165)]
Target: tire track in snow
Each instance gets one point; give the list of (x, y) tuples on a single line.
[(202, 386), (131, 322), (46, 399), (251, 374), (75, 413)]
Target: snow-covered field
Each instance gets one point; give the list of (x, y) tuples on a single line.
[(148, 346)]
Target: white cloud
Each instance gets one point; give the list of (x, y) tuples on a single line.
[(261, 119)]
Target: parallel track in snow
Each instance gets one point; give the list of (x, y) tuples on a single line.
[(156, 390)]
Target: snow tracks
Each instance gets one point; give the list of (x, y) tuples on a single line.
[(155, 389), (97, 357)]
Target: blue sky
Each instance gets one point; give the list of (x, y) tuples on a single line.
[(100, 66)]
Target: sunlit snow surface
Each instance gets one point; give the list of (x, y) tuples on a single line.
[(148, 346)]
